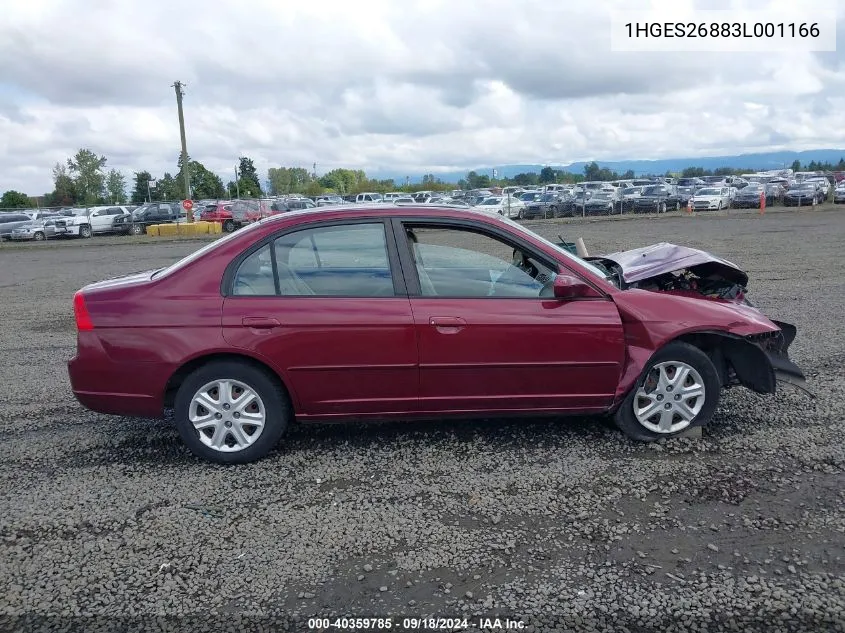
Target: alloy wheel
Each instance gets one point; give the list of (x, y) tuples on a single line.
[(670, 397)]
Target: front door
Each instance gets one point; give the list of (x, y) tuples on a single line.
[(491, 335), (334, 319)]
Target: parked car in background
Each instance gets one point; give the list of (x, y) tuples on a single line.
[(508, 207), (803, 194), (603, 203), (477, 316), (710, 198), (839, 193), (749, 196), (10, 221), (369, 197), (657, 199), (547, 205), (328, 201), (136, 223), (36, 230)]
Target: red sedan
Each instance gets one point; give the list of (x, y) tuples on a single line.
[(417, 312)]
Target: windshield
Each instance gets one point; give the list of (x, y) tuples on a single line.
[(491, 202), (585, 265), (654, 191), (709, 191), (602, 195)]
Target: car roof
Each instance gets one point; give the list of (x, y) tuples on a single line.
[(348, 211)]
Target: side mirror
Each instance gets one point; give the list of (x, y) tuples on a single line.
[(569, 287)]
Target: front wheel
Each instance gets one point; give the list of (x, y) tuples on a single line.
[(85, 231), (39, 237), (662, 208), (678, 389), (231, 412), (137, 229)]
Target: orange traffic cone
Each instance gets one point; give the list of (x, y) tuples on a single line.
[(689, 206), (762, 202)]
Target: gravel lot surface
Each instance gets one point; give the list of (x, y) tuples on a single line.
[(562, 524)]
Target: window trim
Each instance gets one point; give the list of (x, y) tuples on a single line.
[(393, 261), (409, 269)]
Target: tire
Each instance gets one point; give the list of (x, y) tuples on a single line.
[(272, 402), (228, 226), (707, 377), (662, 208), (720, 205), (39, 236), (137, 229), (554, 211), (85, 231)]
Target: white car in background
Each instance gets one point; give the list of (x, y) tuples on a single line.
[(708, 198), (508, 206)]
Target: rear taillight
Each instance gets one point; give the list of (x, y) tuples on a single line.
[(80, 311)]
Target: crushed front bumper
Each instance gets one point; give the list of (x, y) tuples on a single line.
[(775, 346)]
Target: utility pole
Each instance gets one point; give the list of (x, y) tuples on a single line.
[(185, 166)]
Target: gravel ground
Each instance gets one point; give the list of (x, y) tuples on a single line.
[(559, 524)]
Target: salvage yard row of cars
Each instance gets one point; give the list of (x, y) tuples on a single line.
[(551, 201)]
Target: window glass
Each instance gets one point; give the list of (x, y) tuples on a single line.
[(454, 262), (255, 275), (348, 261)]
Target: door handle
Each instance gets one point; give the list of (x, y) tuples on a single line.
[(265, 323), (448, 325)]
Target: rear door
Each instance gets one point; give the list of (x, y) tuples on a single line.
[(327, 306)]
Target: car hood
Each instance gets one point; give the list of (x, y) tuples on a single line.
[(651, 261)]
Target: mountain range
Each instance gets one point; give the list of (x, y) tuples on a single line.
[(752, 162)]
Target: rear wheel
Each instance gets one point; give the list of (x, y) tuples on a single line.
[(679, 389), (228, 226), (231, 412)]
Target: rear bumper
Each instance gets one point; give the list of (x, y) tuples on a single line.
[(121, 388)]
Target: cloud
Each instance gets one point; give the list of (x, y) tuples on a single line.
[(411, 86)]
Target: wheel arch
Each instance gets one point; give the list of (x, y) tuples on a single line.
[(735, 359), (176, 379)]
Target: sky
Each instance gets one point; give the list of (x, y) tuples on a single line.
[(388, 85)]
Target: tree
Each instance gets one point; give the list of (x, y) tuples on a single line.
[(288, 180), (139, 190), (64, 190), (86, 169), (796, 165), (476, 181), (547, 175), (14, 200), (628, 175), (204, 183), (248, 177), (116, 187), (167, 188), (524, 180)]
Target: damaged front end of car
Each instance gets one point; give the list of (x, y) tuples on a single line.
[(755, 355)]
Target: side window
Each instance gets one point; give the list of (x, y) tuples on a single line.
[(255, 275), (456, 262), (347, 261)]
